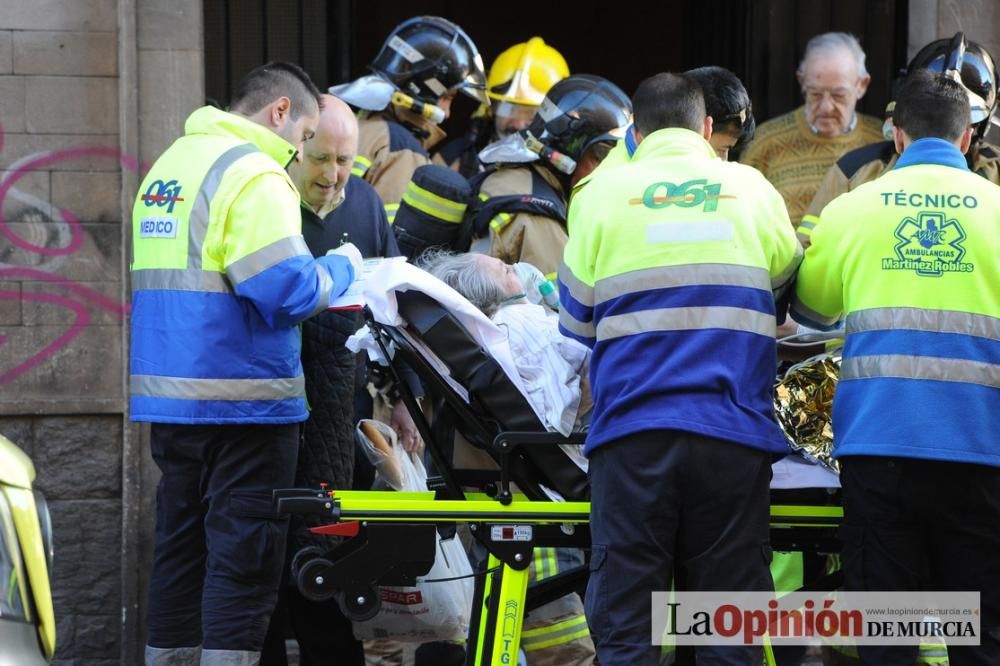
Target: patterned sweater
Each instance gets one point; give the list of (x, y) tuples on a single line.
[(795, 159)]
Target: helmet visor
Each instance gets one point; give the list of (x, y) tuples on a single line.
[(520, 89), (978, 109), (510, 117), (474, 84)]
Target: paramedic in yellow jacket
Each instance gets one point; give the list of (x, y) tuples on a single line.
[(523, 192), (221, 278), (671, 273), (423, 64), (909, 261)]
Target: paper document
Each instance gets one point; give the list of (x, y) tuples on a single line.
[(353, 298)]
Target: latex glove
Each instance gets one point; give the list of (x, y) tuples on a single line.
[(401, 422), (351, 252)]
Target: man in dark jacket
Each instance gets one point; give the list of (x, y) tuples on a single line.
[(336, 208)]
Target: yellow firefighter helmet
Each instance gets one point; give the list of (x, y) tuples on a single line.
[(524, 73)]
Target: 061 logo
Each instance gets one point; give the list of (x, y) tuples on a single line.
[(685, 195), (162, 194)]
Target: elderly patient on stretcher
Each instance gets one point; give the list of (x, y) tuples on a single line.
[(553, 368)]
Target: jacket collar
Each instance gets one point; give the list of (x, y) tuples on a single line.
[(674, 141), (932, 151), (210, 120)]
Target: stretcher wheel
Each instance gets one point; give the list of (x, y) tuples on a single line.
[(314, 579), (359, 605), (302, 556)]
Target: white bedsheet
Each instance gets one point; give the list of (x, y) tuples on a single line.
[(396, 276)]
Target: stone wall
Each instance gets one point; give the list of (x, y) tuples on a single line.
[(91, 92), (79, 465), (935, 19)]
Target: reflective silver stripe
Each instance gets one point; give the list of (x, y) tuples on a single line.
[(685, 275), (812, 315), (685, 319), (921, 367), (919, 319), (185, 388), (581, 293), (198, 219), (269, 255), (180, 279), (325, 289), (808, 221), (560, 633), (784, 277), (575, 326)]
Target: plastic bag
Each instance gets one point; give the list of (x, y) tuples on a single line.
[(429, 611)]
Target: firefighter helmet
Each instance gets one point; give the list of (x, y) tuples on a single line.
[(524, 73), (971, 65), (427, 56), (580, 111)]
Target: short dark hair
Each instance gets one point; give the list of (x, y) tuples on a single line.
[(726, 100), (931, 105), (668, 100), (276, 79)]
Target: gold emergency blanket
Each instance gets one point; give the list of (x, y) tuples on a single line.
[(803, 403)]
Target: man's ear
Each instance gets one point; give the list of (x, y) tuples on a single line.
[(966, 141), (706, 129), (863, 85), (281, 109), (899, 138)]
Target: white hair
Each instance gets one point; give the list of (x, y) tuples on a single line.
[(464, 274), (829, 43)]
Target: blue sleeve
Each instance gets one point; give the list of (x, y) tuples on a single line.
[(296, 288)]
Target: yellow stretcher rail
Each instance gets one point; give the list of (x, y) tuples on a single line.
[(500, 601), (422, 507)]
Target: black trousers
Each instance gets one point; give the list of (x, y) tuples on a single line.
[(663, 504), (219, 545), (324, 635), (924, 525)]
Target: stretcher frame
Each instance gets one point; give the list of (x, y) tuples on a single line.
[(509, 524)]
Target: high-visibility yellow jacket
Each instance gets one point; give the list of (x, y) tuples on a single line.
[(911, 260), (669, 273), (221, 277), (868, 163)]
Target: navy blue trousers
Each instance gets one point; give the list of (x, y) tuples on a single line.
[(924, 525), (219, 545), (672, 504)]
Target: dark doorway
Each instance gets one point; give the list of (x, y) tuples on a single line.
[(760, 40)]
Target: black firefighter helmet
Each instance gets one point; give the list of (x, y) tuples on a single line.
[(579, 111), (426, 56), (971, 65)]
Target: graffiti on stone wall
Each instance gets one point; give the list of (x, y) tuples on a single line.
[(35, 242)]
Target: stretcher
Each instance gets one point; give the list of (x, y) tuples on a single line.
[(533, 495)]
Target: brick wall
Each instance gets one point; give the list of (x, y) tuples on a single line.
[(90, 90)]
